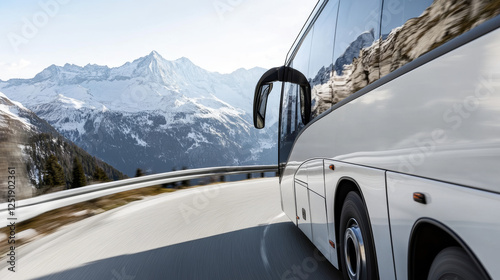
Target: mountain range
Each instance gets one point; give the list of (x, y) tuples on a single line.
[(26, 143), (152, 113)]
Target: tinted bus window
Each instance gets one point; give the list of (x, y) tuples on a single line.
[(321, 59), (301, 59), (355, 53), (396, 12), (291, 120), (356, 60), (412, 28)]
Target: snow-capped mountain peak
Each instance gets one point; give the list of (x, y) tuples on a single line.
[(163, 113)]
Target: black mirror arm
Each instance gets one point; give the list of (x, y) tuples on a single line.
[(281, 74), (272, 75)]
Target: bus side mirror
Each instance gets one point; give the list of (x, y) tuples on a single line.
[(260, 100), (264, 87)]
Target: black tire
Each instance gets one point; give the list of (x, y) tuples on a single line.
[(355, 229), (454, 263)]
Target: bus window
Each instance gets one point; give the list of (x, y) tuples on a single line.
[(399, 19), (412, 28), (301, 59), (291, 119), (321, 59), (356, 47)]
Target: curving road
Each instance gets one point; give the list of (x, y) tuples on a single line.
[(228, 231)]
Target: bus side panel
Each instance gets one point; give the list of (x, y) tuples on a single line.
[(473, 215), (371, 183), (288, 191), (303, 209), (439, 120), (423, 122)]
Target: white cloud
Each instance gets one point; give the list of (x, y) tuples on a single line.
[(13, 69)]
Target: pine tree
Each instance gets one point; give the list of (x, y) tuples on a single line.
[(78, 174), (53, 175), (100, 175), (139, 172)]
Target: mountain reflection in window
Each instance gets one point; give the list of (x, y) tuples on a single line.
[(440, 22), (358, 25), (409, 29)]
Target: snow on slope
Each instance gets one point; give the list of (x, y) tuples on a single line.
[(164, 114), (11, 109), (147, 84)]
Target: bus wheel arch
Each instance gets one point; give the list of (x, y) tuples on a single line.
[(355, 249), (344, 186), (428, 239)]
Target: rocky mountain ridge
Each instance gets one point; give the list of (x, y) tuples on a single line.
[(26, 143), (152, 113)]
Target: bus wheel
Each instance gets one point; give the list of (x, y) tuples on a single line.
[(356, 246), (453, 263)]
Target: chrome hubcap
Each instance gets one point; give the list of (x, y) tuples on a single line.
[(354, 250)]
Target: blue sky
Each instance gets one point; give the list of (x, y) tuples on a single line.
[(218, 35)]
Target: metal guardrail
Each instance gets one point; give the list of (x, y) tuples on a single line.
[(31, 207)]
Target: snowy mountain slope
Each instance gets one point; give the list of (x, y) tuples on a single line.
[(151, 80), (14, 130), (26, 141), (151, 113), (9, 110)]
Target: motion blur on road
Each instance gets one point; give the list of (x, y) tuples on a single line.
[(227, 231)]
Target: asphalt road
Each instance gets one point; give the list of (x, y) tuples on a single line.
[(228, 231)]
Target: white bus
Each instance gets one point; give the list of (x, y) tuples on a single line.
[(389, 136)]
